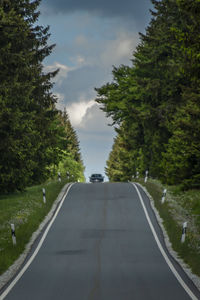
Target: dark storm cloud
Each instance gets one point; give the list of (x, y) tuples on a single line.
[(135, 9)]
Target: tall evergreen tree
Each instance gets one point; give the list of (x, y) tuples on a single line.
[(183, 150), (157, 99), (72, 143), (27, 107), (70, 162)]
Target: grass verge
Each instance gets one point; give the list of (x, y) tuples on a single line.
[(26, 210), (179, 206)]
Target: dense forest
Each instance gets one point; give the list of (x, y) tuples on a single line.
[(155, 103), (36, 139)]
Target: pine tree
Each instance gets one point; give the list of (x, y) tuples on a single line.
[(181, 162), (27, 107), (156, 100), (72, 143)]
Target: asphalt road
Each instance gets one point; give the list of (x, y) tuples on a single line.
[(101, 247)]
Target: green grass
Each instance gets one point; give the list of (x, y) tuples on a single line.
[(189, 202), (26, 210)]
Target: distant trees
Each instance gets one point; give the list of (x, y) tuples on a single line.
[(156, 101), (32, 131), (70, 161)]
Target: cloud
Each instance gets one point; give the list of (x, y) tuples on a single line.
[(79, 84), (133, 9), (78, 110), (87, 117), (79, 61), (114, 49), (96, 139), (119, 50), (91, 36), (74, 85), (94, 122), (62, 74), (92, 63)]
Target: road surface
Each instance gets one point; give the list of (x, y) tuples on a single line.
[(101, 247)]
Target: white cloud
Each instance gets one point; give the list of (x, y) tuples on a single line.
[(114, 50), (94, 122), (64, 70), (78, 110), (62, 74), (94, 119)]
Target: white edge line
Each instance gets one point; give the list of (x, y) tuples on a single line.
[(23, 270), (178, 277)]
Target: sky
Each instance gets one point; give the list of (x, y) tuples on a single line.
[(91, 37)]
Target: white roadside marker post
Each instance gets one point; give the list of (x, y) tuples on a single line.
[(59, 177), (146, 176), (13, 234), (183, 232), (137, 174), (164, 195), (44, 195)]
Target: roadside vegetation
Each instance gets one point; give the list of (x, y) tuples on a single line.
[(36, 137), (155, 108), (155, 102), (26, 210), (180, 206), (37, 140)]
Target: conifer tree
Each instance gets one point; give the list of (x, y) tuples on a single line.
[(157, 99), (27, 107)]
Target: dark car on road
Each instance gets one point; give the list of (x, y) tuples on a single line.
[(96, 178)]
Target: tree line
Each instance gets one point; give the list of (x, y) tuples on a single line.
[(36, 139), (155, 103)]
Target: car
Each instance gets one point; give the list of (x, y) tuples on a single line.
[(96, 178)]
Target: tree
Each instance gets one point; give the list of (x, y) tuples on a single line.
[(69, 156), (156, 101), (27, 107)]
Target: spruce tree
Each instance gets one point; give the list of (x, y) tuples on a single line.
[(157, 99), (27, 107)]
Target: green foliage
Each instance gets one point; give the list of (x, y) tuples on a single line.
[(185, 202), (117, 168), (26, 210), (155, 103), (70, 163), (71, 168), (33, 132)]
